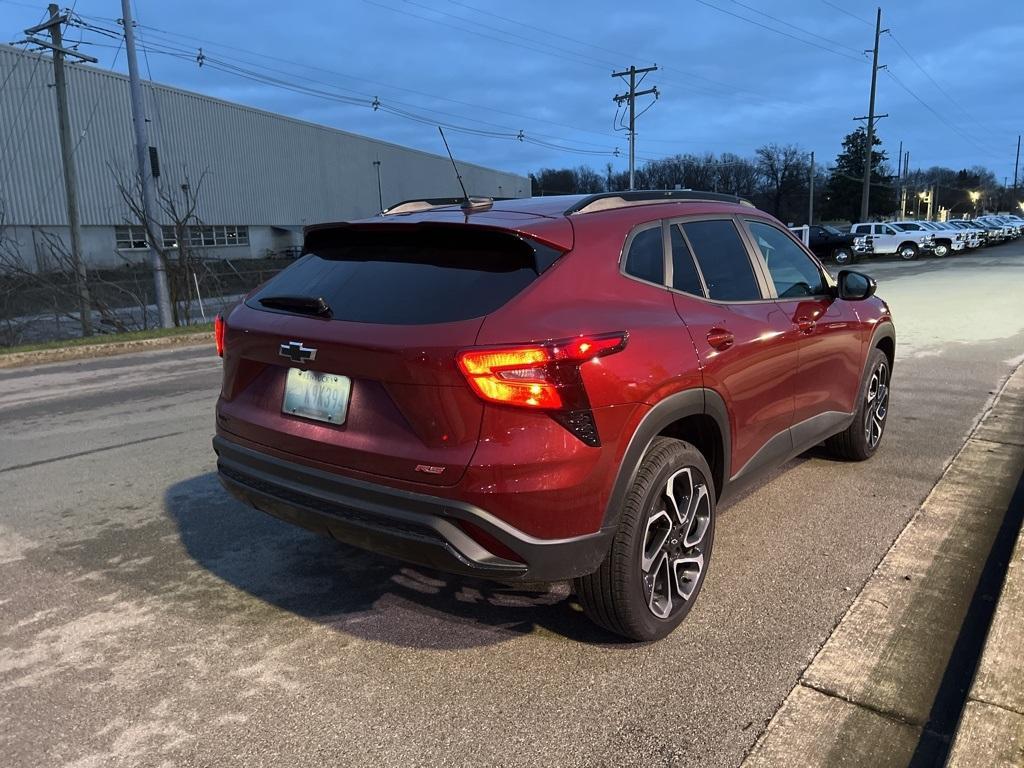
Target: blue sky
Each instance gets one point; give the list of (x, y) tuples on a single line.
[(954, 89)]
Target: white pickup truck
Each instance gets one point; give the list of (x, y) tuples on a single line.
[(906, 239)]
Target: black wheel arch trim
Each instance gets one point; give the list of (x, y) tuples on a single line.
[(699, 401), (884, 330)]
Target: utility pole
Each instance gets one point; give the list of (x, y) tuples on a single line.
[(899, 176), (866, 191), (810, 202), (56, 45), (380, 195), (630, 98), (1016, 166), (903, 182), (163, 298)]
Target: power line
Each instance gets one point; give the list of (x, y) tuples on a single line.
[(729, 88), (578, 60), (10, 74), (367, 101), (213, 45), (779, 31), (941, 90), (939, 115), (856, 51), (853, 16), (17, 118)]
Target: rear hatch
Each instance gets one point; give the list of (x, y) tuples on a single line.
[(378, 312)]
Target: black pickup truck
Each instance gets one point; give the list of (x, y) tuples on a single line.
[(831, 244)]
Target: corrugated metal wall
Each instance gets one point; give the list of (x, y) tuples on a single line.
[(260, 168)]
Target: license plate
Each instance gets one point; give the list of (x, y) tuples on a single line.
[(317, 396)]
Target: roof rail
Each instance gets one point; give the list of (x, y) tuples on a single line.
[(607, 200), (426, 204)]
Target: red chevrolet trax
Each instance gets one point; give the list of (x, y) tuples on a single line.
[(547, 389)]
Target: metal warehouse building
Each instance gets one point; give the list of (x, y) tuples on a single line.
[(264, 176)]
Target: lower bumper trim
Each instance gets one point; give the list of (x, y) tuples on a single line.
[(414, 527)]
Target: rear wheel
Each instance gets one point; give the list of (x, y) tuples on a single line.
[(861, 439), (844, 256), (655, 567), (908, 251)]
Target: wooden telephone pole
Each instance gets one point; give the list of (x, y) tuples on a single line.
[(67, 151), (630, 98), (866, 190)]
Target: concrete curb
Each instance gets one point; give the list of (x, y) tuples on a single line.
[(866, 696), (991, 729), (84, 351)]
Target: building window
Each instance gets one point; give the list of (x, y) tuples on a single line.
[(170, 237), (220, 235), (130, 237)]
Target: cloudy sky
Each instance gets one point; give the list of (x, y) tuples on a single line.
[(733, 75)]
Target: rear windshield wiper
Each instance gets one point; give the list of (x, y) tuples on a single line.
[(303, 305)]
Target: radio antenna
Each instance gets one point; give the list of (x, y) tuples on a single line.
[(458, 175)]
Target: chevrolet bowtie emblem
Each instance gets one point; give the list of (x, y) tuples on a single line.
[(296, 352)]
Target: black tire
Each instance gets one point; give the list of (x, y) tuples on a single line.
[(844, 256), (861, 439), (908, 251), (621, 595)]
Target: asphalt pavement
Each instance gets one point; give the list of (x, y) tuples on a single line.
[(148, 619)]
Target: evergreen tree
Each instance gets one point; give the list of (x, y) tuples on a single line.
[(843, 190)]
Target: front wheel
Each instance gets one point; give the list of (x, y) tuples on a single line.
[(941, 249), (656, 564), (860, 440), (843, 256), (908, 251)]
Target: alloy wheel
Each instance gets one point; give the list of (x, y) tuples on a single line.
[(908, 253), (672, 560), (876, 405)]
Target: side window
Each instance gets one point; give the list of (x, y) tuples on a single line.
[(792, 271), (684, 271), (646, 257), (884, 230), (723, 260), (862, 229)]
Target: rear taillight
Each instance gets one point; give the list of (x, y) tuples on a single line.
[(219, 329), (543, 376)]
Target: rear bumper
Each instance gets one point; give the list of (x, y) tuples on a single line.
[(414, 527)]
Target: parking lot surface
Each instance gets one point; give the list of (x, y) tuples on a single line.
[(148, 619)]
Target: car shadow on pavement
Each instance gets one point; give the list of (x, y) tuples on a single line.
[(357, 592)]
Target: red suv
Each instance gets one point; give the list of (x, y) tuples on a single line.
[(546, 389)]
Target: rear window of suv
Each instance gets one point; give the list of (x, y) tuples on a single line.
[(412, 277)]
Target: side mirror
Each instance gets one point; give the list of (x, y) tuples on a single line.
[(855, 286)]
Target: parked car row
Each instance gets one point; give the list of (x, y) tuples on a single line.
[(908, 239)]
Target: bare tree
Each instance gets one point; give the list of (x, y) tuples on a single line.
[(784, 172), (179, 207)]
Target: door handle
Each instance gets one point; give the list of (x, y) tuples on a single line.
[(805, 324), (720, 338)]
